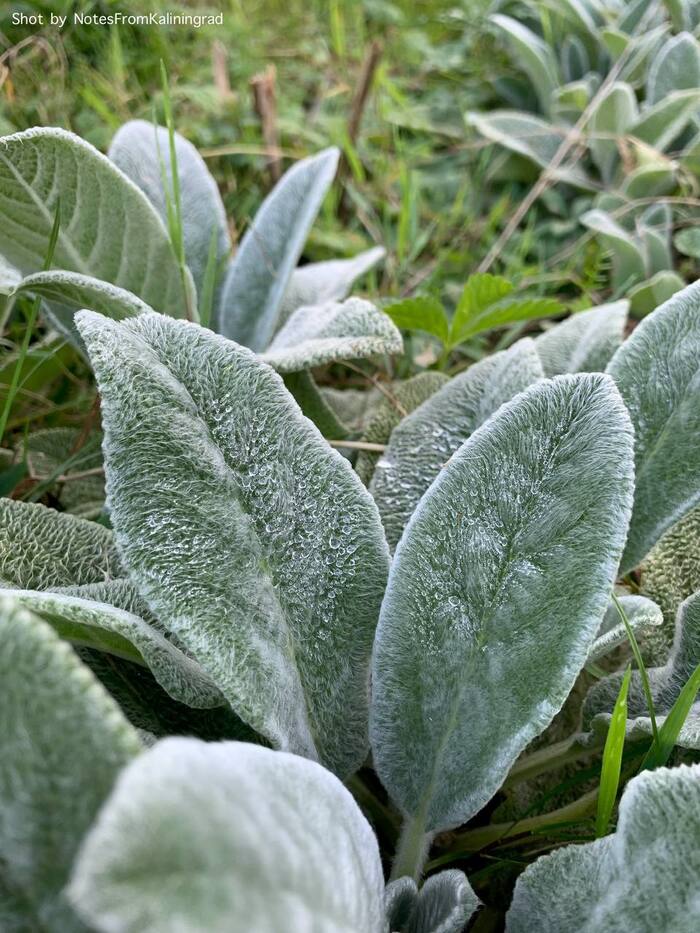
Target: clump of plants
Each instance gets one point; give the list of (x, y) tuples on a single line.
[(262, 694), (615, 86)]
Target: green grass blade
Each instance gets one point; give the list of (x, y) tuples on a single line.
[(660, 751), (211, 272), (640, 664), (612, 759), (29, 329)]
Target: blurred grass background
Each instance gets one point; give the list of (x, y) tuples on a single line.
[(412, 176)]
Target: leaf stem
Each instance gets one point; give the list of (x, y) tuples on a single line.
[(548, 759), (474, 840), (412, 849)]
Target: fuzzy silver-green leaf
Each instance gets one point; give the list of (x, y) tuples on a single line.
[(229, 838), (643, 877), (657, 371), (495, 594), (108, 231), (260, 273), (63, 741), (249, 538), (318, 334), (421, 444)]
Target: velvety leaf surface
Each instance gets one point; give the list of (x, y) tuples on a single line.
[(642, 614), (260, 272), (423, 442), (139, 149), (320, 282), (406, 396), (108, 228), (657, 371), (231, 845), (63, 742), (60, 452), (318, 334), (124, 634), (68, 292), (670, 574), (666, 683), (42, 549), (495, 594), (643, 877), (584, 342), (249, 538), (443, 905)]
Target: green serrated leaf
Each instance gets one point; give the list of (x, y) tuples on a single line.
[(228, 833), (422, 313)]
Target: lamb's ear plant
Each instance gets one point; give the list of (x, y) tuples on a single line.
[(158, 220), (245, 590)]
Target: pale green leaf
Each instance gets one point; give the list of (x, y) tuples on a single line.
[(443, 905), (319, 407), (424, 313), (687, 241), (319, 334), (404, 397), (628, 259), (108, 229), (665, 682), (68, 292), (641, 878), (531, 137), (532, 55), (96, 624), (670, 574), (63, 741), (524, 527), (249, 538), (142, 151), (331, 280), (657, 370), (585, 341), (423, 443), (261, 270), (42, 549), (675, 67), (642, 614), (660, 125), (229, 838), (647, 296), (610, 119)]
